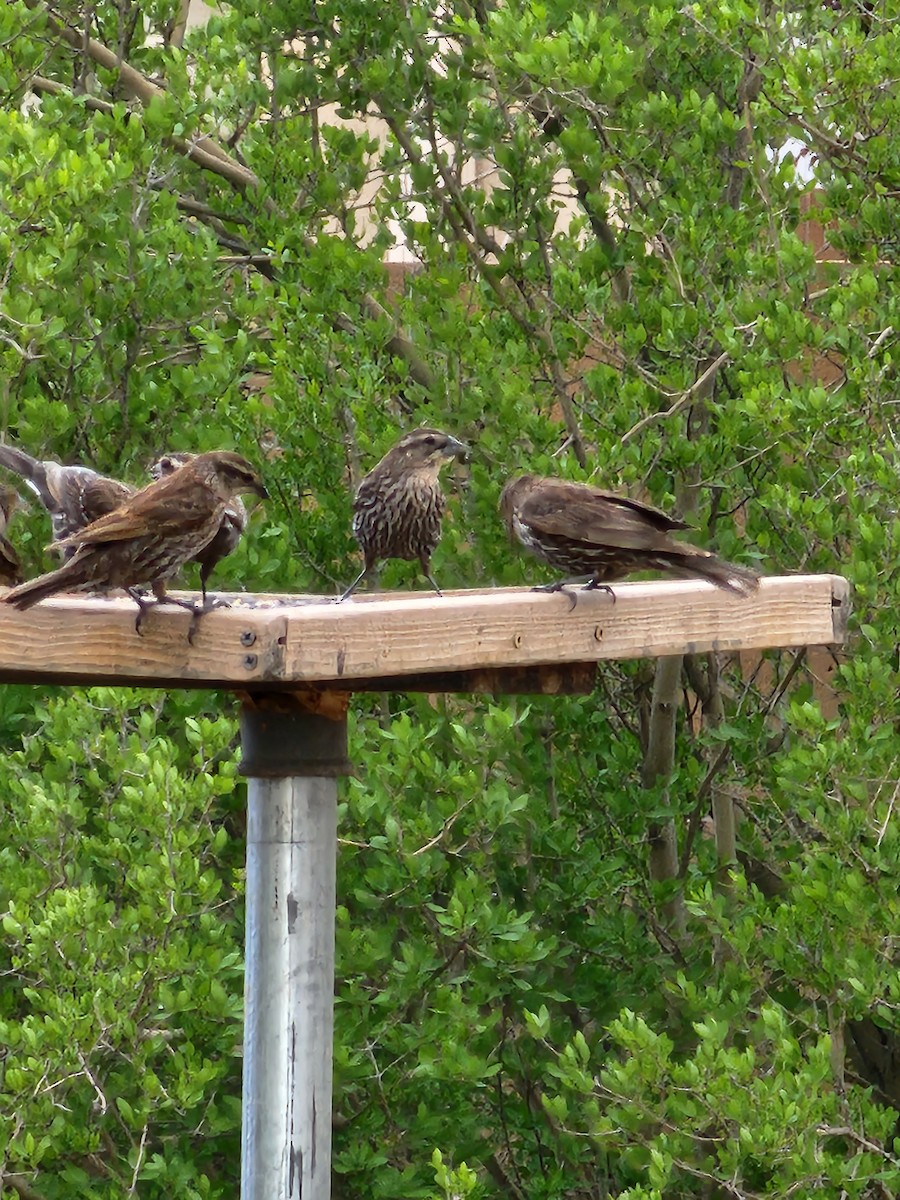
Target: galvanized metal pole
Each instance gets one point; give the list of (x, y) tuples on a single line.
[(293, 757)]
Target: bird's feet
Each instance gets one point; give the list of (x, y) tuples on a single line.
[(564, 585), (144, 606), (199, 610), (560, 585), (594, 585)]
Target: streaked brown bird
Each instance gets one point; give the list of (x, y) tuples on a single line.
[(584, 531), (231, 528), (399, 505), (151, 535), (73, 496), (10, 567)]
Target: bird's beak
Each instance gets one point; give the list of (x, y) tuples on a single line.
[(456, 449), (261, 491)]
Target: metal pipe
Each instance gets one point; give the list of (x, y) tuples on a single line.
[(293, 759)]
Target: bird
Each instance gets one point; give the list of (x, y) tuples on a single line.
[(584, 531), (73, 496), (398, 506), (10, 567), (148, 537), (231, 527)]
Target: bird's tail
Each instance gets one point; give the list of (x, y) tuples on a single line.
[(31, 469), (703, 565), (66, 577)]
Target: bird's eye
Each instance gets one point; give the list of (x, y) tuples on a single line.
[(430, 440)]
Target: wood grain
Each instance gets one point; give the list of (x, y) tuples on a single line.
[(266, 642)]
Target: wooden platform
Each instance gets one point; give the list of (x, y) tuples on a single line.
[(501, 639)]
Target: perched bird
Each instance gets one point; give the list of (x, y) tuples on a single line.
[(151, 534), (10, 568), (232, 526), (583, 531), (398, 506), (73, 496)]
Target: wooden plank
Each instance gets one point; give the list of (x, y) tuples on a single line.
[(516, 627), (382, 640)]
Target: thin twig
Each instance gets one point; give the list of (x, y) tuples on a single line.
[(885, 333), (887, 820), (138, 1160), (683, 400)]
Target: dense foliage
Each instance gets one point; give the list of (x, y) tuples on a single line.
[(565, 969)]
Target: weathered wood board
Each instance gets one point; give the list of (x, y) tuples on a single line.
[(464, 640)]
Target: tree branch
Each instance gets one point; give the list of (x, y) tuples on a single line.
[(176, 37), (479, 244), (552, 125), (659, 759), (206, 153), (21, 1186), (202, 150)]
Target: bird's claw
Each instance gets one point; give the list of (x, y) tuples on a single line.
[(563, 585), (594, 585), (559, 585), (215, 602), (143, 609), (198, 610)]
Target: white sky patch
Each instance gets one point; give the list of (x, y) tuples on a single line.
[(804, 158)]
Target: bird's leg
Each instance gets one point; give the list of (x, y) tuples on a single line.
[(425, 564), (210, 603), (196, 611), (355, 584), (207, 605), (161, 596)]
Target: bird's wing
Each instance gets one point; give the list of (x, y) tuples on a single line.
[(74, 496), (100, 495), (82, 496), (591, 517), (161, 509), (235, 517)]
